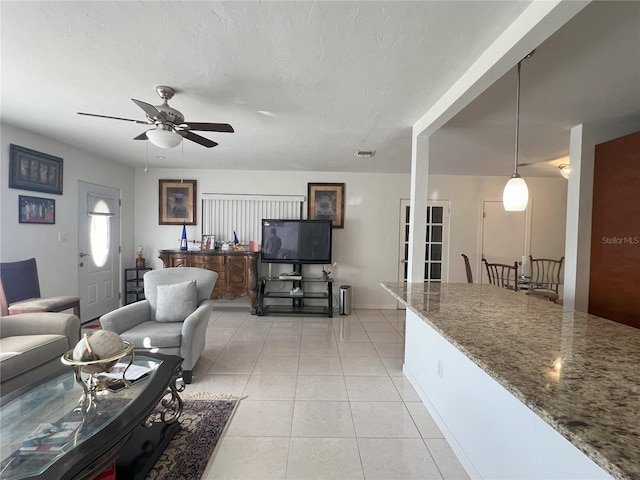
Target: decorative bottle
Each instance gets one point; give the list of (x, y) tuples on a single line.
[(183, 239), (235, 238), (140, 261)]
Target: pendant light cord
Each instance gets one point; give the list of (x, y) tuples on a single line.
[(515, 161)]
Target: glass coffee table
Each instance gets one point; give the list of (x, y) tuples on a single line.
[(45, 434)]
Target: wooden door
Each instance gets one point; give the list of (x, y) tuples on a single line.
[(614, 281)]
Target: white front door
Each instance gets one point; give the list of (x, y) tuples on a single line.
[(98, 249), (504, 236)]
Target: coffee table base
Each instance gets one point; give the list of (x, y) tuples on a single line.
[(142, 450)]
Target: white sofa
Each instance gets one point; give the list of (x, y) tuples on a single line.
[(31, 345)]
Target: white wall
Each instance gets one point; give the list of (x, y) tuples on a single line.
[(548, 204), (366, 249), (58, 261)]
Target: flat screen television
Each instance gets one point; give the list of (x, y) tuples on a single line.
[(296, 241)]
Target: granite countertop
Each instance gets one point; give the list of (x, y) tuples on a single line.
[(578, 372)]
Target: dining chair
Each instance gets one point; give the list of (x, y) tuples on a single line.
[(467, 268), (20, 291), (546, 277), (502, 275)]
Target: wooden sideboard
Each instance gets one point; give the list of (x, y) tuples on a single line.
[(237, 271)]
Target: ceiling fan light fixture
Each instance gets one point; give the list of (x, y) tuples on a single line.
[(164, 138), (169, 123), (565, 170)]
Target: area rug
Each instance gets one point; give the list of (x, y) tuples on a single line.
[(187, 455)]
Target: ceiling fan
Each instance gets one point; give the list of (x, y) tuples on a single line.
[(169, 125)]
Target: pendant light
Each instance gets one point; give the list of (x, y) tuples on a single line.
[(516, 194)]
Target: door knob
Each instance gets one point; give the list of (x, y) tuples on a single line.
[(82, 254)]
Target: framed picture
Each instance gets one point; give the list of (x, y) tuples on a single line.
[(325, 201), (36, 210), (177, 202), (36, 171)]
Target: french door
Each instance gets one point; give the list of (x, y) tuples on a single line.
[(436, 241)]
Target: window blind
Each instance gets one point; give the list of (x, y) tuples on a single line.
[(222, 214)]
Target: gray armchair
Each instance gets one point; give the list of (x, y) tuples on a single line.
[(174, 316)]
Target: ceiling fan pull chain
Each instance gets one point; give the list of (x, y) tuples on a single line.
[(146, 166), (182, 165)]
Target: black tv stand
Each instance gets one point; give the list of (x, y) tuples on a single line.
[(288, 301)]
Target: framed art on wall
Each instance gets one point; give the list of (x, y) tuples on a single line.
[(325, 201), (36, 171), (177, 202), (36, 210)]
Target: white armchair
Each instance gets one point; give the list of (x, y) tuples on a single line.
[(174, 316)]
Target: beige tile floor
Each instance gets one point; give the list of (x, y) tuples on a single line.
[(324, 399)]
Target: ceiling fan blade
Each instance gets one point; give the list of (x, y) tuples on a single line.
[(205, 142), (142, 136), (149, 109), (209, 127), (113, 118)]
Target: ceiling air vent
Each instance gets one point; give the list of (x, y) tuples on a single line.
[(365, 153)]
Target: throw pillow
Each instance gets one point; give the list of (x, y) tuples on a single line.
[(176, 302)]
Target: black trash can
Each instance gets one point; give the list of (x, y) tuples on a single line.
[(345, 299)]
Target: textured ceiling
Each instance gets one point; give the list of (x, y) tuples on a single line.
[(306, 84), (587, 72)]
